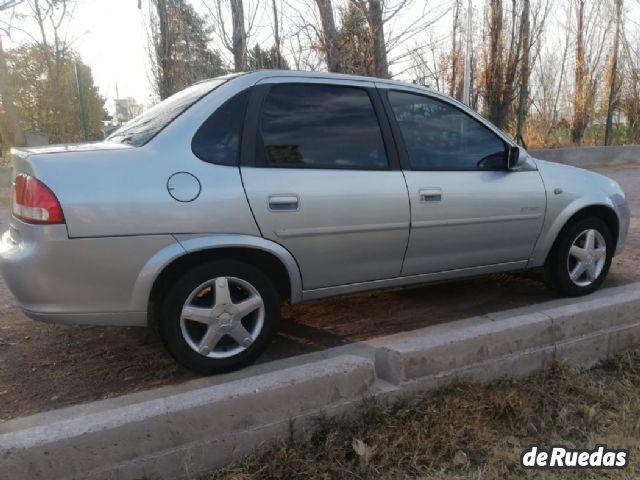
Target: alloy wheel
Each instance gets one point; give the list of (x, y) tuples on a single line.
[(587, 257), (222, 317)]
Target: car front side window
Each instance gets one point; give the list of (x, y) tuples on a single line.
[(439, 136)]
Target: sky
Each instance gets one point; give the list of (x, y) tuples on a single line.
[(111, 37)]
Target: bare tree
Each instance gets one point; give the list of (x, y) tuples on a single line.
[(180, 53), (524, 73), (329, 35), (501, 62), (373, 12), (51, 17), (455, 61), (276, 34), (243, 16), (239, 36), (630, 97), (612, 80), (591, 34)]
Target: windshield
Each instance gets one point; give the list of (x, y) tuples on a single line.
[(143, 128)]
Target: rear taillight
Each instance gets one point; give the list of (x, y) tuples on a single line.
[(33, 202)]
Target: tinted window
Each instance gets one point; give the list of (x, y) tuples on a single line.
[(218, 139), (438, 136), (320, 126)]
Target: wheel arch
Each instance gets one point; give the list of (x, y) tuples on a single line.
[(272, 258), (603, 211)]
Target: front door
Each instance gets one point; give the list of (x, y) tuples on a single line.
[(322, 184), (467, 209)]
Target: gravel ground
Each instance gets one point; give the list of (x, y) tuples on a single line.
[(49, 366)]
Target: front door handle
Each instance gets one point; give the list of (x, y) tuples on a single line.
[(284, 203), (428, 195)]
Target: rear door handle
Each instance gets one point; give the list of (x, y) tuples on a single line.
[(284, 203), (428, 195)]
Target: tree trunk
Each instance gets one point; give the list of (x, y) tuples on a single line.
[(494, 72), (12, 135), (580, 120), (524, 74), (613, 76), (376, 25), (330, 34), (276, 32), (164, 51), (239, 36)]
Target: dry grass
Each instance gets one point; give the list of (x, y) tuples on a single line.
[(469, 431)]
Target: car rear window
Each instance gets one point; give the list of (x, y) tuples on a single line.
[(143, 128)]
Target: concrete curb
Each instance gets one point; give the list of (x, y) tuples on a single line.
[(591, 157), (178, 432)]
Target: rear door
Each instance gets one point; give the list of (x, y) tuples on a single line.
[(322, 181), (467, 209)]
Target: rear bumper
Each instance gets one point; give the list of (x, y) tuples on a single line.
[(88, 281)]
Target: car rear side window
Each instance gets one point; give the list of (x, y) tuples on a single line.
[(218, 139), (320, 126), (439, 136)]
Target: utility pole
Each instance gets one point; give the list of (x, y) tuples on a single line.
[(83, 112), (466, 88)]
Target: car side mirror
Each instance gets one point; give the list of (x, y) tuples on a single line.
[(514, 160)]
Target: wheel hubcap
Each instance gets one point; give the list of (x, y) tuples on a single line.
[(222, 317), (587, 257)]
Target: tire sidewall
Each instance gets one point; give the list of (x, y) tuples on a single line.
[(561, 279), (177, 294)]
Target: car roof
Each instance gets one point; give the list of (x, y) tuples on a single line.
[(262, 74)]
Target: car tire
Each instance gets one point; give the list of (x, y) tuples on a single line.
[(581, 257), (219, 316)]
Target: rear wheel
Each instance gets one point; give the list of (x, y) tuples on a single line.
[(581, 257), (219, 316)]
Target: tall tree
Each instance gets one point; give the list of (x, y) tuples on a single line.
[(52, 17), (10, 128), (613, 82), (630, 95), (501, 62), (276, 35), (524, 73), (355, 42), (591, 33), (33, 93), (239, 36), (181, 53), (455, 61), (329, 36), (261, 59), (372, 10)]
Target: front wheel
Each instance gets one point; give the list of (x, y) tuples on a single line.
[(581, 258), (219, 316)]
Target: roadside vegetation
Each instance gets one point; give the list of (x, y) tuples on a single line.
[(469, 431)]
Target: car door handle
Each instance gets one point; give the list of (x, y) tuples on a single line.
[(428, 195), (283, 203)]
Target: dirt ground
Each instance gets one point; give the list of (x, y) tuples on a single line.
[(46, 366)]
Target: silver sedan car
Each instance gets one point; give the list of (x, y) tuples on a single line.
[(204, 213)]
